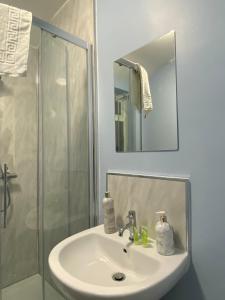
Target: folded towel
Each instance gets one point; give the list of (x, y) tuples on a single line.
[(15, 26), (145, 89)]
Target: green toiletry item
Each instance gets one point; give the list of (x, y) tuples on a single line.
[(137, 236), (144, 236)]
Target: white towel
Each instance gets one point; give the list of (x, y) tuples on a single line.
[(15, 26), (135, 91), (145, 89)]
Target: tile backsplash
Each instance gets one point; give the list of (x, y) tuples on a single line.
[(148, 194)]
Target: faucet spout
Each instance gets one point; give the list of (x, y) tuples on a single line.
[(122, 229)]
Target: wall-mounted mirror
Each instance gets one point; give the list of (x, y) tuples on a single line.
[(145, 98)]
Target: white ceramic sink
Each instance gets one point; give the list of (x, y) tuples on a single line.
[(83, 264)]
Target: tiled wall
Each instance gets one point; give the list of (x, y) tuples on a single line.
[(18, 148), (66, 200), (146, 195), (77, 17)]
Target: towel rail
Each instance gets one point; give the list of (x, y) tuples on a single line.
[(127, 63)]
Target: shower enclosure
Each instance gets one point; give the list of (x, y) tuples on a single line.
[(46, 160)]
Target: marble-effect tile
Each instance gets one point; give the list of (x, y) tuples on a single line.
[(148, 195), (18, 140), (18, 130), (77, 17)]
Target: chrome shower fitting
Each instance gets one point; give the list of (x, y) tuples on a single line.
[(6, 175)]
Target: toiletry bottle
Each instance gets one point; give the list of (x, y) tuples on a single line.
[(164, 235), (109, 214), (137, 236), (144, 236)]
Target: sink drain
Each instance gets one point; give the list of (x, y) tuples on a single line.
[(118, 276)]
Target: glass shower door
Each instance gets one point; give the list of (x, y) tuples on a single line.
[(53, 151), (65, 182)]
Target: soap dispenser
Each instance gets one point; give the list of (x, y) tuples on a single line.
[(164, 235), (109, 214)]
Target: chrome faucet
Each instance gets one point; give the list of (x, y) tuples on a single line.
[(130, 225)]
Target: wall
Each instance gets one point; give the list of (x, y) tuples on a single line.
[(18, 144), (76, 17), (41, 8), (18, 148), (159, 128), (154, 194), (125, 25)]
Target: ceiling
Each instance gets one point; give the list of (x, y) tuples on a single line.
[(43, 9), (155, 54)]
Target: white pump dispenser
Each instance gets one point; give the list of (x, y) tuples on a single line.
[(164, 235)]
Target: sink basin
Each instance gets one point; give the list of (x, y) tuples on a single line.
[(83, 266)]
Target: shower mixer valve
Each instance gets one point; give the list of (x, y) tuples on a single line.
[(6, 175)]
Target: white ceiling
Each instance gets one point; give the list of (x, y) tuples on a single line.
[(43, 9), (155, 54)]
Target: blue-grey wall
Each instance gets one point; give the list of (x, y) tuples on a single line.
[(200, 29), (159, 128)]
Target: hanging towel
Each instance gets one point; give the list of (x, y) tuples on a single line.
[(15, 26), (146, 97), (135, 91)]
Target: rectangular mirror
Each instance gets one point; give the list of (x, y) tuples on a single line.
[(145, 98)]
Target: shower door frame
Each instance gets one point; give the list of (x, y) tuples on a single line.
[(91, 108)]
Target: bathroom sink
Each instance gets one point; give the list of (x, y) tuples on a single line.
[(95, 265)]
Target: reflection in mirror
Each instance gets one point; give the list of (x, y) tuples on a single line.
[(145, 98)]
